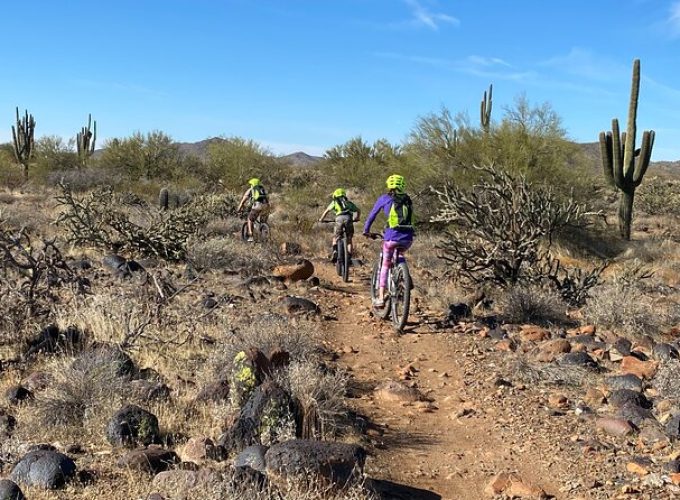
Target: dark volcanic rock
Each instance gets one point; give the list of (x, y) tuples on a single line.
[(253, 457), (334, 464), (636, 414), (664, 352), (622, 397), (150, 460), (9, 490), (16, 394), (629, 381), (579, 358), (45, 469), (132, 425)]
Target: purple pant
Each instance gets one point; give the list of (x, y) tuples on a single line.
[(388, 250)]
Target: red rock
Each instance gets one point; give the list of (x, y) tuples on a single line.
[(643, 369), (587, 330), (614, 426), (506, 345), (299, 271), (637, 468), (531, 333)]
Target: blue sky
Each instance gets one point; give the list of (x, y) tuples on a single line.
[(309, 74)]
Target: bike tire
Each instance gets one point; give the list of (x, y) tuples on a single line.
[(345, 261), (244, 231), (340, 257), (381, 312), (400, 295), (264, 231)]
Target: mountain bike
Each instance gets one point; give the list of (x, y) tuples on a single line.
[(343, 258), (260, 229), (399, 286)]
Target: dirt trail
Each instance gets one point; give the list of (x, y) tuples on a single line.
[(452, 446)]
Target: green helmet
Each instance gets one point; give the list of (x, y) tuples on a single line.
[(254, 181), (396, 182), (339, 193)]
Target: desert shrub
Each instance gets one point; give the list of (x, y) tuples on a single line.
[(361, 165), (531, 304), (549, 373), (97, 219), (80, 180), (622, 306), (151, 156), (320, 394), (268, 332), (52, 153), (83, 390), (659, 196), (502, 227), (231, 254), (234, 160)]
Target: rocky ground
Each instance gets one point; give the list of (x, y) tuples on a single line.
[(456, 407)]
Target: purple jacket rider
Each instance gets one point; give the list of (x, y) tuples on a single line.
[(384, 203)]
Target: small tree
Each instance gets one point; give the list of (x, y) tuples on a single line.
[(151, 156), (23, 139)]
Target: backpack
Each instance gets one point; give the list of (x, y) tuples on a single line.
[(401, 212), (341, 205), (259, 194)]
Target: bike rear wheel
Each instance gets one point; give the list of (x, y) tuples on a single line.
[(381, 312), (340, 257), (345, 261), (400, 294), (244, 231), (264, 231)]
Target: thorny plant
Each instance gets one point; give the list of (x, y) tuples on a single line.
[(30, 274), (502, 229), (99, 219)]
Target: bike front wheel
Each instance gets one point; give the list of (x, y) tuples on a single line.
[(345, 261), (244, 231), (381, 312), (400, 295)]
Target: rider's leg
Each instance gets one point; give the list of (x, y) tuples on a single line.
[(251, 217), (387, 251), (349, 232)]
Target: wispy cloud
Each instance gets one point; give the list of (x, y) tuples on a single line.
[(584, 63), (487, 61), (673, 21), (423, 17)]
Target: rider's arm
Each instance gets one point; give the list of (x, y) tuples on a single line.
[(357, 213), (243, 200), (372, 215), (324, 214)]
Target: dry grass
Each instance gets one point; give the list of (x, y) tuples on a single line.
[(231, 254), (525, 303)]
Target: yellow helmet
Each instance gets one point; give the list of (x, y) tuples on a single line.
[(338, 193), (396, 182), (254, 181)]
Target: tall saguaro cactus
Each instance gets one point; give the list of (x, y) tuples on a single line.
[(85, 141), (23, 138), (624, 166), (485, 110)]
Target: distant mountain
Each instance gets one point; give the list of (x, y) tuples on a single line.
[(300, 159), (591, 150)]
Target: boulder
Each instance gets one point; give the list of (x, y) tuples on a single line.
[(149, 460), (621, 397), (614, 426), (51, 339), (664, 352), (253, 457), (199, 449), (215, 391), (301, 270), (268, 417), (9, 490), (16, 394), (391, 390), (642, 369), (579, 358), (132, 426), (7, 423), (630, 382), (636, 414), (45, 469), (331, 464), (299, 305), (149, 390)]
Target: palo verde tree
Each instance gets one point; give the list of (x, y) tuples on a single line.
[(23, 138), (85, 141), (624, 166)]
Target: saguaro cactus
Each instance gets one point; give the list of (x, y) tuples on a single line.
[(85, 141), (624, 166), (23, 138), (485, 110)]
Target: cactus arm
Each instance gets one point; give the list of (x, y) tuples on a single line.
[(607, 156), (617, 154), (631, 130), (645, 156)]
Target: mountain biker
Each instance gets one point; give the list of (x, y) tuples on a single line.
[(346, 213), (397, 207), (256, 195)]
